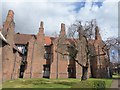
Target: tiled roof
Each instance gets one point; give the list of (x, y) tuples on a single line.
[(72, 41), (48, 40), (67, 40), (22, 38)]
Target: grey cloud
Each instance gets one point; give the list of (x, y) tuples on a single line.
[(28, 15)]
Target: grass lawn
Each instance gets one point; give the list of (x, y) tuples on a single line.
[(94, 83), (53, 83), (40, 83), (116, 76)]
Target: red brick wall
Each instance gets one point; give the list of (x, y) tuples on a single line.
[(35, 57), (99, 62), (78, 71), (30, 52), (16, 67), (62, 65), (0, 62), (7, 62)]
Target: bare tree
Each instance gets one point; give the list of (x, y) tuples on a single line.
[(113, 44), (79, 35), (81, 47), (86, 32)]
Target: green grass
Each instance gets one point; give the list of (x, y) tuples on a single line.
[(116, 76), (54, 83), (94, 83), (40, 83)]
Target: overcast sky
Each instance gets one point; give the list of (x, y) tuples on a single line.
[(29, 13)]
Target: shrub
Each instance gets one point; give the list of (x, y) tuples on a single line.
[(98, 85)]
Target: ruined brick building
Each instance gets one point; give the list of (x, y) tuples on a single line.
[(99, 59), (37, 56)]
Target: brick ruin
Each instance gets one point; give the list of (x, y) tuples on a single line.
[(37, 56)]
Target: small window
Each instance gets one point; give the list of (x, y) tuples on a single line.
[(71, 70), (47, 56)]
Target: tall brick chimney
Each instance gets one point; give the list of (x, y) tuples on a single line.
[(40, 35), (97, 34), (9, 19), (8, 27), (41, 29), (62, 32), (10, 16)]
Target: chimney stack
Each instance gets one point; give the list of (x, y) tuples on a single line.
[(40, 34), (41, 24), (9, 23), (41, 29), (97, 34), (9, 19), (62, 32), (10, 16)]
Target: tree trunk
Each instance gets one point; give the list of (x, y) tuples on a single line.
[(84, 73)]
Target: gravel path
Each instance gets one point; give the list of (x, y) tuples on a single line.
[(116, 84)]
